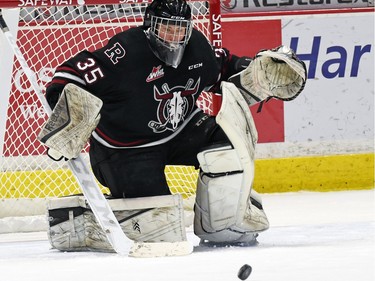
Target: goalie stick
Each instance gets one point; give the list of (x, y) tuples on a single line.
[(91, 190)]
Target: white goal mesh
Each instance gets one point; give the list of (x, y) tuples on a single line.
[(47, 36)]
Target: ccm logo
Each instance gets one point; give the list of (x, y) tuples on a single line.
[(194, 66)]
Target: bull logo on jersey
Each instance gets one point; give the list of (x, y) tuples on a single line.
[(174, 105)]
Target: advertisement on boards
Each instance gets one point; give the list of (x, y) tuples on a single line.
[(338, 101)]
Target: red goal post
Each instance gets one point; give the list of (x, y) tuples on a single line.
[(48, 32)]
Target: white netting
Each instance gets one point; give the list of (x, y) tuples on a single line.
[(48, 36)]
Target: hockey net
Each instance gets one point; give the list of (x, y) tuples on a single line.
[(47, 36)]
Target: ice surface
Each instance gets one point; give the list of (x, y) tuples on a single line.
[(313, 237)]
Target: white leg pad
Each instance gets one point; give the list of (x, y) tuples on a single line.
[(155, 224), (217, 196), (216, 211), (151, 219), (73, 226), (224, 211)]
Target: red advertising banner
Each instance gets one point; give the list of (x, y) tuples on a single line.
[(254, 36)]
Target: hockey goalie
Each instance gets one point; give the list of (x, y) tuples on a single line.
[(142, 106)]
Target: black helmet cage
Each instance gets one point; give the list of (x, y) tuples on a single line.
[(175, 32), (173, 16), (167, 9)]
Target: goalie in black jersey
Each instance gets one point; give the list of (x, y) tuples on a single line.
[(158, 95)]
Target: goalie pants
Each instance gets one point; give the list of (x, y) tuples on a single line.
[(139, 172)]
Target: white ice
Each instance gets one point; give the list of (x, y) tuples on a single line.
[(313, 237)]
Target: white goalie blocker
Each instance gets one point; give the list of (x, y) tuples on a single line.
[(71, 123), (227, 210)]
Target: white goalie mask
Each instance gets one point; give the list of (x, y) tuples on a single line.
[(168, 38)]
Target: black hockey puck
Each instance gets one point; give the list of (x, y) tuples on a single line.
[(244, 272)]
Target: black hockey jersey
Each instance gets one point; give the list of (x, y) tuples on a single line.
[(145, 102)]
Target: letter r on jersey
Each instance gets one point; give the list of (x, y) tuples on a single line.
[(115, 53)]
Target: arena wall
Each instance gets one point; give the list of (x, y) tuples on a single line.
[(324, 139)]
